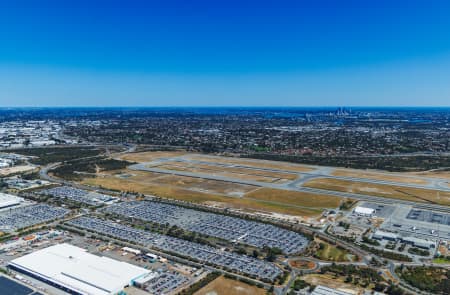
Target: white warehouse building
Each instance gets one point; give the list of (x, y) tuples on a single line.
[(76, 271), (364, 211), (7, 200)]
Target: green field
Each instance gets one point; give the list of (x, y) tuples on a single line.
[(330, 252), (442, 260)]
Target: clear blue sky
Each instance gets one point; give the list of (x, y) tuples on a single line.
[(213, 53)]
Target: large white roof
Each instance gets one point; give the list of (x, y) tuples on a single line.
[(75, 268), (364, 210), (7, 200), (385, 234)]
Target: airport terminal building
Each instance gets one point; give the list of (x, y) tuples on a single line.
[(78, 272)]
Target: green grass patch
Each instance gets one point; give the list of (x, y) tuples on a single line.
[(442, 260), (330, 252)]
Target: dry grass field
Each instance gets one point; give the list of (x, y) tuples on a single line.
[(433, 174), (149, 156), (217, 172), (159, 183), (16, 169), (224, 286), (131, 185), (206, 185), (232, 172), (222, 194), (382, 190), (295, 198), (253, 163), (378, 176), (143, 176), (252, 205)]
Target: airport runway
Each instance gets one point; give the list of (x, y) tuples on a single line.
[(323, 172), (293, 185)]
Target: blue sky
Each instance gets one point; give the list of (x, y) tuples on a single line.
[(214, 53)]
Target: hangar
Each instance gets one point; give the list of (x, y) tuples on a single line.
[(78, 272), (364, 211)]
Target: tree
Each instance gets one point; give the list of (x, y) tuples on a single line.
[(394, 290)]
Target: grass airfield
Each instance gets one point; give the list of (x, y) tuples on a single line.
[(263, 186)]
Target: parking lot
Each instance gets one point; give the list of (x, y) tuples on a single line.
[(163, 282), (17, 218), (429, 216), (226, 227), (419, 222), (203, 253), (79, 195)]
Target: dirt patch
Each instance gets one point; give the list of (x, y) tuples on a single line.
[(302, 264), (331, 282), (16, 169)]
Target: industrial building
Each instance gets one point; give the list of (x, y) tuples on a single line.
[(78, 272), (420, 243), (383, 235), (131, 250), (364, 211), (416, 242), (7, 200)]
